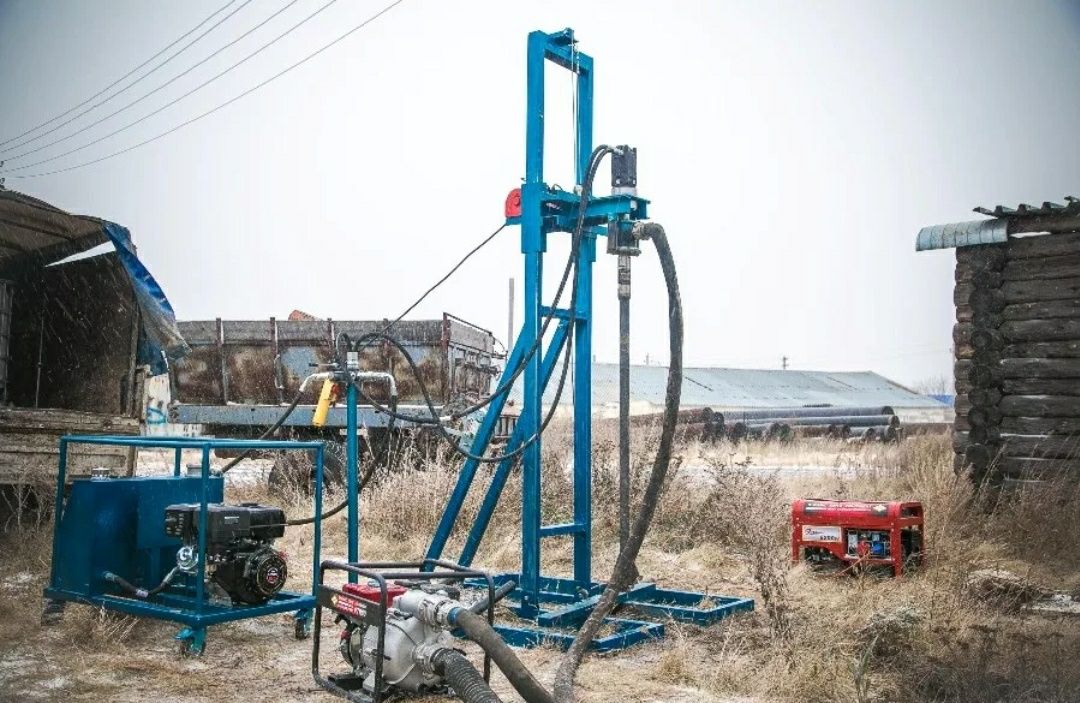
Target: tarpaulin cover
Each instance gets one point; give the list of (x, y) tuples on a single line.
[(31, 229), (159, 335)]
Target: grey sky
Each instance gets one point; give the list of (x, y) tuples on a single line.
[(792, 151)]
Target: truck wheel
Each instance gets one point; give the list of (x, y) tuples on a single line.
[(294, 472)]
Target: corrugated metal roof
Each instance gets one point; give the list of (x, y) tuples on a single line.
[(1071, 207), (746, 388), (995, 231)]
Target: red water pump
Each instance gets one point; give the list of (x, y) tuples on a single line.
[(857, 535)]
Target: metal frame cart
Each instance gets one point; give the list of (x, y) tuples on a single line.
[(115, 525), (542, 210)]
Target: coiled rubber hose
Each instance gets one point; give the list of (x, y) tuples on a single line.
[(467, 682), (479, 631)]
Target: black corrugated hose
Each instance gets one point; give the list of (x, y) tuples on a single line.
[(478, 630), (625, 568), (467, 682)]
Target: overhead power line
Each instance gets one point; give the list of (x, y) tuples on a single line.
[(127, 75), (172, 102), (164, 85), (223, 105)]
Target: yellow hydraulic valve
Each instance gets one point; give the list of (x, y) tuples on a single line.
[(327, 397)]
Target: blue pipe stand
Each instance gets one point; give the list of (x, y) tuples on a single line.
[(554, 606), (116, 526)]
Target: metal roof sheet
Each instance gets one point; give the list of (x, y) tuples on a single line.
[(996, 231), (722, 388), (1071, 207), (962, 234)]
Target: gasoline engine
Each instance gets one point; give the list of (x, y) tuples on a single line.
[(241, 562)]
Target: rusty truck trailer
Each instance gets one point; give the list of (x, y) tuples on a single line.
[(240, 374)]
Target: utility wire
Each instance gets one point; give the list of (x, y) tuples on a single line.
[(164, 85), (122, 78), (223, 105), (172, 102)]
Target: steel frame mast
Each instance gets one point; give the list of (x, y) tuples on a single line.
[(542, 210), (545, 211)]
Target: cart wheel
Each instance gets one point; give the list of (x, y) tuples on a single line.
[(52, 612), (191, 643), (302, 628)]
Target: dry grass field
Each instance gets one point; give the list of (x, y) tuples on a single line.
[(961, 629)]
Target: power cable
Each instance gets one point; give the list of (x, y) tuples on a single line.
[(221, 106), (443, 280), (181, 97), (164, 85), (579, 230), (129, 74)]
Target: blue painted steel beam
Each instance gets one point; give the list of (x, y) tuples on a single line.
[(502, 472), (576, 613), (352, 461), (173, 442), (624, 633), (566, 528), (479, 446)]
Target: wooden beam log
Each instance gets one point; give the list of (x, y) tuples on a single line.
[(1042, 386), (1039, 406), (990, 257), (1040, 368), (1039, 246), (1042, 310), (986, 338), (1040, 425), (991, 300), (985, 397), (984, 435), (1036, 291), (1036, 468), (1042, 350), (1052, 330), (983, 416), (1041, 268), (1042, 447)]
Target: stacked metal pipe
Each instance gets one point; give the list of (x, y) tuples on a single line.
[(878, 423)]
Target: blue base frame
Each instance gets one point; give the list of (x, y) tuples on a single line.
[(572, 605), (181, 609), (188, 604)]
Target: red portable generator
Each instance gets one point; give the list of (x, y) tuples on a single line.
[(857, 534)]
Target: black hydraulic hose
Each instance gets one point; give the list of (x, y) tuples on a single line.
[(340, 506), (481, 606), (269, 431), (467, 682), (625, 568), (479, 631), (579, 229), (571, 265), (142, 593)]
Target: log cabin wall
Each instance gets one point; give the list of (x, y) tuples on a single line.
[(1017, 357)]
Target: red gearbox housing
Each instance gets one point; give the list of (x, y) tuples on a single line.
[(857, 534)]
